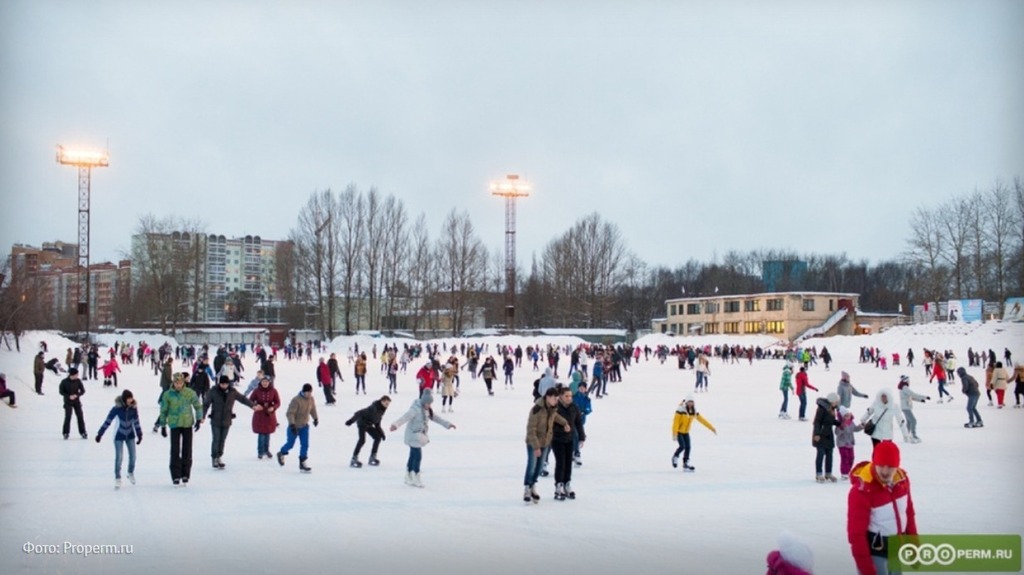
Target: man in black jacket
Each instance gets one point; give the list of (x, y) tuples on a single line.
[(368, 422), (562, 443), (222, 400), (72, 390)]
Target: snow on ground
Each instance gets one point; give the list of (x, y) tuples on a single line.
[(634, 514)]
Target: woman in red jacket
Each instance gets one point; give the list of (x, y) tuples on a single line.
[(879, 506), (264, 421)]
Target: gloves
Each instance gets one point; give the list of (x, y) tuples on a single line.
[(349, 422), (97, 439), (316, 422), (163, 431), (382, 436), (138, 440), (928, 398), (196, 426)]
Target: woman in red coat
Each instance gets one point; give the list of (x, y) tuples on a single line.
[(264, 421)]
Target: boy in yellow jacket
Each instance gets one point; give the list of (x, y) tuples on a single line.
[(686, 414)]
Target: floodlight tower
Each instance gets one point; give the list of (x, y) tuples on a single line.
[(85, 161), (510, 189)]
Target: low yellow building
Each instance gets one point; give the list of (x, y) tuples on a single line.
[(786, 315)]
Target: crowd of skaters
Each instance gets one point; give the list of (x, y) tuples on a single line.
[(834, 421)]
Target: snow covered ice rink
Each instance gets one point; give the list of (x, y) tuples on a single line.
[(634, 513)]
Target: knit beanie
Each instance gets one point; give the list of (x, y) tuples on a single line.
[(426, 397), (844, 377), (886, 453)]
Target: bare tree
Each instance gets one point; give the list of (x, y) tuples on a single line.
[(926, 246), (463, 259), (999, 227), (318, 252)]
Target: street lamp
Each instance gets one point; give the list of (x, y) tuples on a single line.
[(510, 189), (85, 161)]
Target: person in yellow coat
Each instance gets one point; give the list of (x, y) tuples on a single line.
[(686, 414)]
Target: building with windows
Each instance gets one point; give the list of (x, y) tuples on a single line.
[(787, 315), (52, 279), (227, 277)]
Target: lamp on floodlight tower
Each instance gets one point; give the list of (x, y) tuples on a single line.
[(85, 161), (510, 188)]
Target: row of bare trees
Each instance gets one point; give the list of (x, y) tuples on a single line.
[(970, 246), (361, 264), (355, 261)]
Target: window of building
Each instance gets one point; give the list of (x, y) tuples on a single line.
[(808, 305), (693, 309), (731, 327), (752, 305), (775, 327), (753, 327), (672, 309), (711, 307), (711, 328), (831, 305), (775, 304), (732, 306)]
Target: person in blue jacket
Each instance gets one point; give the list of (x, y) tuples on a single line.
[(582, 401), (129, 433)]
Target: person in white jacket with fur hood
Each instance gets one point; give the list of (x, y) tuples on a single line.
[(420, 412), (885, 414)]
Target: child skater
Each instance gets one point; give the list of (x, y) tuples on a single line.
[(845, 438), (686, 414)]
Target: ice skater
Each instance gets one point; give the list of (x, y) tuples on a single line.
[(416, 436), (128, 434), (686, 414)]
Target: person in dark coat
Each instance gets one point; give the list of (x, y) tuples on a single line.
[(264, 421), (219, 403), (367, 420), (72, 390), (201, 378), (824, 439), (332, 364), (562, 443), (38, 367), (970, 388)]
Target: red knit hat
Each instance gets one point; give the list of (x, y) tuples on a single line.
[(886, 453)]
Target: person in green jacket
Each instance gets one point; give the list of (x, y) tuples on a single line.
[(181, 410), (785, 385)]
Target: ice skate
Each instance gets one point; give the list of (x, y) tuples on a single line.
[(560, 492), (844, 477), (373, 460), (416, 481), (978, 424), (355, 463), (569, 492), (280, 458), (131, 478), (408, 478), (526, 494), (303, 467), (577, 460), (117, 483), (533, 493), (675, 461), (831, 478), (819, 479), (688, 467)]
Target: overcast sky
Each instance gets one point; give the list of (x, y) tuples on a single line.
[(696, 127)]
